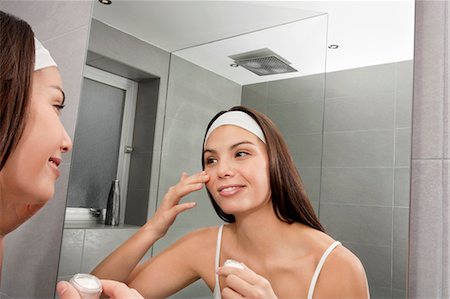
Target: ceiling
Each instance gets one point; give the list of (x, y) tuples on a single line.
[(207, 32)]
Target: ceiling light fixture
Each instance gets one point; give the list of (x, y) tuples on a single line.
[(234, 65), (106, 2), (333, 47)]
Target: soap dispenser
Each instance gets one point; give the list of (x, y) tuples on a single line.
[(113, 204)]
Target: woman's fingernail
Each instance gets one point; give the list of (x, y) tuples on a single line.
[(61, 287)]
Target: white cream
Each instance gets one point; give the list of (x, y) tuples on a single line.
[(233, 264)]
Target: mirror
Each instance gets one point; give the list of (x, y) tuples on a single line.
[(345, 113)]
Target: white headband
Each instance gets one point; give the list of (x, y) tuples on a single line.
[(42, 57), (240, 119)]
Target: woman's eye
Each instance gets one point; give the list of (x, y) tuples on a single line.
[(241, 154), (58, 107), (210, 160)]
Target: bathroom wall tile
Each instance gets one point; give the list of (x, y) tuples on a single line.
[(403, 147), (380, 293), (425, 248), (401, 222), (403, 108), (356, 186), (401, 187), (399, 294), (311, 180), (404, 75), (297, 118), (316, 206), (400, 268), (71, 252), (99, 243), (183, 139), (362, 112), (255, 96), (358, 149), (361, 81), (49, 19), (447, 129), (376, 261), (137, 206), (140, 170), (306, 149), (295, 90), (192, 87), (146, 107), (197, 290), (358, 224)]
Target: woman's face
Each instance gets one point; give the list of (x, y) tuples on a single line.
[(30, 173), (238, 166)]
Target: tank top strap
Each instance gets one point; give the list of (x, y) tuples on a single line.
[(319, 268), (216, 294)]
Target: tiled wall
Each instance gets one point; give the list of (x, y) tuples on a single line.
[(32, 251), (194, 96), (360, 175), (84, 248)]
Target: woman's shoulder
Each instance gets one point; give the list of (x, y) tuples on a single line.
[(344, 274), (200, 237)]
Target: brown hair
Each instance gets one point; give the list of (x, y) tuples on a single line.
[(16, 69), (289, 199)]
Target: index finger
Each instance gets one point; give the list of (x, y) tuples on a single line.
[(245, 274), (119, 290)]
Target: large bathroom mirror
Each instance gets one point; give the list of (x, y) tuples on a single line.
[(341, 95)]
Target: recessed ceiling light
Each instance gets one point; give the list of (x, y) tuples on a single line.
[(234, 65), (333, 47), (106, 2)]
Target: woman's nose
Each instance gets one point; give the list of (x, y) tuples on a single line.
[(66, 145), (224, 169)]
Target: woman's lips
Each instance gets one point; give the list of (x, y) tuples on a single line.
[(54, 163), (229, 190)]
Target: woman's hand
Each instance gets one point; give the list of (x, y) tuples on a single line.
[(170, 206), (112, 289), (244, 283)]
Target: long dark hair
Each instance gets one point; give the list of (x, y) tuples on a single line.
[(289, 199), (16, 69)]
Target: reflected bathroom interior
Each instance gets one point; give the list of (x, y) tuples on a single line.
[(349, 131)]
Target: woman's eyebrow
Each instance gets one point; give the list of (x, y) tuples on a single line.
[(208, 150)]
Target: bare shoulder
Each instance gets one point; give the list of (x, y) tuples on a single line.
[(342, 276), (199, 239)]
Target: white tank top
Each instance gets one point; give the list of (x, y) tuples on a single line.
[(216, 294)]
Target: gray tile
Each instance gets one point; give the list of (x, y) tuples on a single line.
[(197, 290), (140, 170), (297, 118), (99, 243), (425, 256), (358, 224), (363, 112), (377, 263), (358, 149), (306, 149), (401, 222), (51, 19), (136, 210), (255, 96), (401, 187), (311, 180), (447, 129), (400, 268), (404, 75), (365, 186), (295, 90), (360, 81), (399, 294), (402, 148), (71, 252), (315, 204), (380, 293), (403, 109)]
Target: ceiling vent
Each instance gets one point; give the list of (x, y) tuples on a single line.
[(263, 62)]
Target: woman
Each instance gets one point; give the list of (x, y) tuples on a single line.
[(272, 229), (32, 137)]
